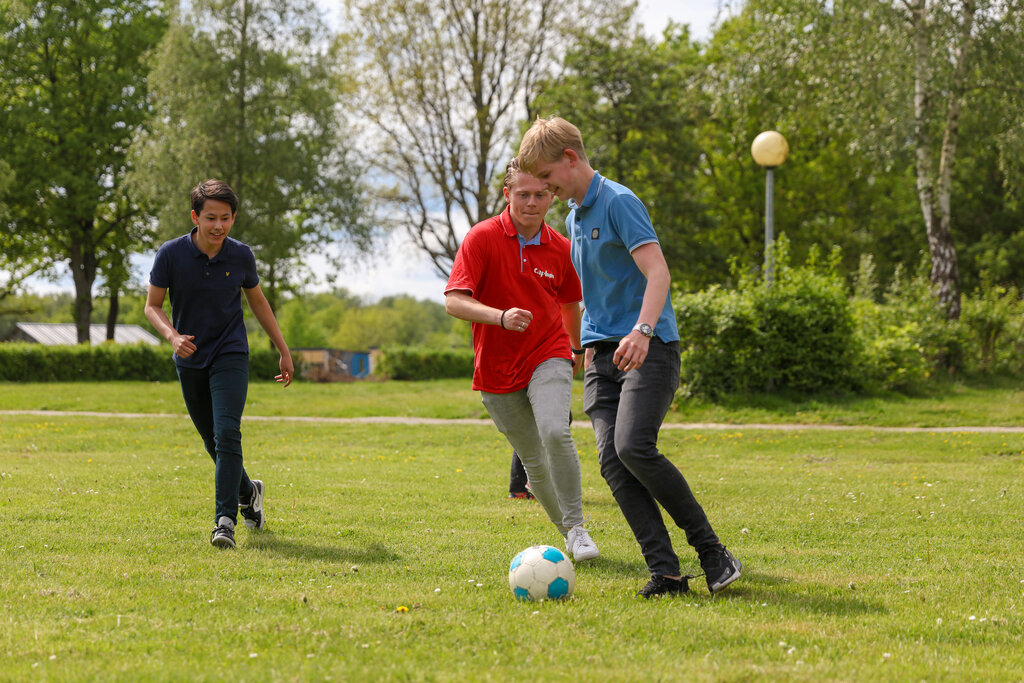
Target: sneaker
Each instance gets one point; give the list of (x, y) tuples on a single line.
[(579, 543), (662, 585), (224, 535), (720, 568), (253, 511), (523, 495)]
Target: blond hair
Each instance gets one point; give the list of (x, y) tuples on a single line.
[(547, 140), (512, 171)]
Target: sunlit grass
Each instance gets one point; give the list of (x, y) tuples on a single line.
[(996, 403), (867, 556)]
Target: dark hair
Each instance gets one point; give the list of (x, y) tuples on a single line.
[(213, 189)]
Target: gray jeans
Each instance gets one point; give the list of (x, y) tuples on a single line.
[(626, 409), (535, 420)]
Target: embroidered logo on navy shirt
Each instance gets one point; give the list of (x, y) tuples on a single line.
[(595, 233)]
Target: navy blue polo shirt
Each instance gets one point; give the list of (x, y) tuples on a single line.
[(206, 295)]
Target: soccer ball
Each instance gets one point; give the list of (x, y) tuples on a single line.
[(541, 572)]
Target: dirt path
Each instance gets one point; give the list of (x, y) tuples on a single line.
[(576, 423)]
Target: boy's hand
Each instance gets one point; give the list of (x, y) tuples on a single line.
[(287, 371), (517, 319), (632, 351), (182, 345)]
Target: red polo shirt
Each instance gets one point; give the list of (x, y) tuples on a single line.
[(541, 280)]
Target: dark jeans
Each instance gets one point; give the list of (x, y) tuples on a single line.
[(215, 398), (627, 409)]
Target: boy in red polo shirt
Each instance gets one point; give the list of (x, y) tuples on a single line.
[(513, 279)]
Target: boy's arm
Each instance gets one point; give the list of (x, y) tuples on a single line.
[(260, 308), (459, 304), (633, 348), (181, 343), (572, 315)]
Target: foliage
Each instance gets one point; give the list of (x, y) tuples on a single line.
[(994, 320), (341, 320), (444, 85), (248, 92), (417, 363), (793, 333), (22, 362), (632, 98), (73, 93)]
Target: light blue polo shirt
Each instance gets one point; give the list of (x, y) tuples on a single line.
[(604, 229)]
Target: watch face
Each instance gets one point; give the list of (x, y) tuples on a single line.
[(646, 330)]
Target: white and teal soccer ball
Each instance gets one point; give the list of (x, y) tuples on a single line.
[(541, 572)]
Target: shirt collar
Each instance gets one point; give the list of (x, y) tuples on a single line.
[(593, 190), (197, 252), (542, 236)]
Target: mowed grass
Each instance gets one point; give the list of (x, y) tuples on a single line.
[(992, 403), (866, 556)]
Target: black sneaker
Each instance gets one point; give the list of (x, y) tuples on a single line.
[(253, 510), (662, 585), (224, 535), (720, 568)]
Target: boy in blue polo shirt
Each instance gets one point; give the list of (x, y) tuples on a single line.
[(206, 272), (632, 354)]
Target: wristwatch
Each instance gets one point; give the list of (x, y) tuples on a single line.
[(644, 329)]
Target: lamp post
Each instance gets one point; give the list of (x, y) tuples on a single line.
[(769, 150)]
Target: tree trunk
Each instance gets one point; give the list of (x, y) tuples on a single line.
[(83, 272), (115, 306), (934, 190)]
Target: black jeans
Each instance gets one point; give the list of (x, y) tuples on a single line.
[(627, 409), (215, 397)]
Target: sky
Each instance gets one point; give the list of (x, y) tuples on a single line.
[(397, 267)]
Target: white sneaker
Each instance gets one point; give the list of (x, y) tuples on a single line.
[(580, 545)]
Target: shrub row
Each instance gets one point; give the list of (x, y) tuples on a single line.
[(795, 333), (106, 362), (417, 363), (808, 332)]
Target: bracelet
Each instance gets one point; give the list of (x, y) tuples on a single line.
[(502, 321), (576, 351)]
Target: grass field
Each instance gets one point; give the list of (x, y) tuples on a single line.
[(995, 403), (867, 555)]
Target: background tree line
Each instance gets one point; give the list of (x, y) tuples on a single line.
[(903, 117), (336, 319)]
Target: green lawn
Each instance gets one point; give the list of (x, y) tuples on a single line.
[(949, 405), (867, 555)]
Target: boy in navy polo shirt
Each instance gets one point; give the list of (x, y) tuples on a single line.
[(206, 272), (632, 354), (513, 280)]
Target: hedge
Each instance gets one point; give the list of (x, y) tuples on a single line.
[(417, 363), (22, 362)]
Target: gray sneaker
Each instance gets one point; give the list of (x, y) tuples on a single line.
[(224, 535), (580, 545), (252, 512)]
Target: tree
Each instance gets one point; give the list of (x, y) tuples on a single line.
[(72, 95), (899, 78), (248, 91), (445, 84), (635, 101)]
